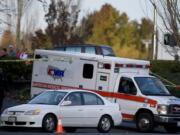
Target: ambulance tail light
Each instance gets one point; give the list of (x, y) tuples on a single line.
[(139, 66), (131, 66), (104, 65), (148, 66), (107, 66), (119, 65)]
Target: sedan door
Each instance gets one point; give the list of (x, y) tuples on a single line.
[(73, 114), (93, 108)]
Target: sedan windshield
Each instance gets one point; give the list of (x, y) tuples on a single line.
[(151, 86), (49, 98)]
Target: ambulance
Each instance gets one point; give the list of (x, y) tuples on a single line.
[(142, 97)]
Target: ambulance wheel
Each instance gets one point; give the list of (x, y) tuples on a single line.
[(49, 123), (105, 124), (171, 128), (144, 122)]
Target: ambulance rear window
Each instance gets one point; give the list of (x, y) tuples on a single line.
[(88, 71)]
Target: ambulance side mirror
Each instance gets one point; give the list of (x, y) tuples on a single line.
[(66, 103)]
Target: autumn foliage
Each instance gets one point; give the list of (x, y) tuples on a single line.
[(109, 26), (7, 39)]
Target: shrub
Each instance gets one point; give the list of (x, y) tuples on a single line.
[(16, 70)]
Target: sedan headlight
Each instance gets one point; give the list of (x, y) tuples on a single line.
[(33, 112), (162, 109)]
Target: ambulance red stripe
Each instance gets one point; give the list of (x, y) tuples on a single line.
[(127, 116), (103, 93)]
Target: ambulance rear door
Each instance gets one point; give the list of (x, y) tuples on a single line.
[(87, 77)]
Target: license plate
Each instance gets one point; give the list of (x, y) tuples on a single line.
[(12, 119), (178, 124)]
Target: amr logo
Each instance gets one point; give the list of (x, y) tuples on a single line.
[(55, 72)]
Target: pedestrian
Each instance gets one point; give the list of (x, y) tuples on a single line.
[(3, 52), (12, 52), (18, 53), (24, 54), (3, 80)]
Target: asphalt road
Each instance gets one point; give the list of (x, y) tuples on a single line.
[(126, 128), (115, 131)]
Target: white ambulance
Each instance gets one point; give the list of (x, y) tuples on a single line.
[(142, 97)]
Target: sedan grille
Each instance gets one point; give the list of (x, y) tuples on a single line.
[(15, 112)]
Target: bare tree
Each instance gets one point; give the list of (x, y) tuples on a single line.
[(62, 18), (7, 13), (30, 23), (169, 12), (19, 15)]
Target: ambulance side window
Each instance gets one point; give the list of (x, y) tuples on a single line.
[(127, 86), (38, 56), (88, 71)]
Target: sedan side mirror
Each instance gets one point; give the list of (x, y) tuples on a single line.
[(66, 103)]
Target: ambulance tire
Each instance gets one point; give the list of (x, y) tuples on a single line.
[(144, 122), (171, 128), (105, 124)]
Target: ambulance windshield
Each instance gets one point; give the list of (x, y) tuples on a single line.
[(151, 86)]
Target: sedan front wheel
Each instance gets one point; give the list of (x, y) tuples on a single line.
[(49, 123)]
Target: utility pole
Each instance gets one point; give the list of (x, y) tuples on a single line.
[(18, 27), (155, 40), (157, 47)]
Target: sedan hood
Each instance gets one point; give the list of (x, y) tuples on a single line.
[(27, 107)]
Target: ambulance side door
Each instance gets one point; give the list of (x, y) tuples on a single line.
[(127, 100)]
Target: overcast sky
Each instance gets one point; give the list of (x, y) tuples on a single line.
[(135, 9)]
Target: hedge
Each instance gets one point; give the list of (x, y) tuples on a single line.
[(16, 71), (169, 70)]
